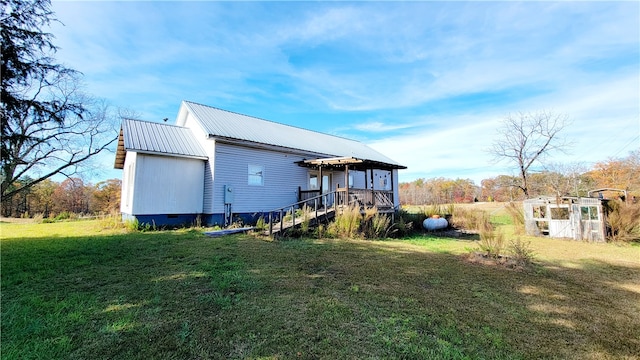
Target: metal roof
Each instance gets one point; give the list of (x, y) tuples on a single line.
[(225, 124), (156, 138)]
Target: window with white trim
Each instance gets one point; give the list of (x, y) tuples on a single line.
[(255, 175)]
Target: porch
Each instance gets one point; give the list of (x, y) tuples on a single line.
[(367, 194), (321, 201)]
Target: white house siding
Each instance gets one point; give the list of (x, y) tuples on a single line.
[(172, 185), (128, 183), (281, 178), (188, 120)]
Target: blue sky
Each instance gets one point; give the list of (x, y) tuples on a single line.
[(425, 83)]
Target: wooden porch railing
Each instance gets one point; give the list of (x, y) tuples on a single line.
[(324, 206), (285, 217), (382, 199)]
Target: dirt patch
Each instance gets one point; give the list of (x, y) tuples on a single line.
[(505, 261), (15, 220), (459, 234)]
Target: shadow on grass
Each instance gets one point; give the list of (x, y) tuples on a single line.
[(183, 295)]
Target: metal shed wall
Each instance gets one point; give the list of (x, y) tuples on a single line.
[(167, 185)]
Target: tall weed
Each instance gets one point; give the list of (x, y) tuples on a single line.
[(403, 224), (521, 252), (347, 223), (624, 221), (516, 212), (375, 225), (491, 241), (112, 221), (472, 220)]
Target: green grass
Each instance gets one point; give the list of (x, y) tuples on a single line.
[(73, 291)]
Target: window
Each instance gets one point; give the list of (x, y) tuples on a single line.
[(539, 212), (256, 175), (560, 213), (589, 212), (384, 183), (313, 182)]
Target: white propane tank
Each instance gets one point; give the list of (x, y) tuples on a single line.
[(435, 223)]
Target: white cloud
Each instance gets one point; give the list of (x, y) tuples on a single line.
[(403, 66)]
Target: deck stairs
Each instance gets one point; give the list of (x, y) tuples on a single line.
[(314, 218)]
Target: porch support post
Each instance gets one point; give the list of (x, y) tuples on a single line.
[(372, 186), (373, 195), (393, 192), (320, 180), (346, 181)]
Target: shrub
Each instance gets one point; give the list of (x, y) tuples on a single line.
[(403, 224), (132, 225), (305, 215), (521, 252), (438, 209), (63, 216), (624, 221)]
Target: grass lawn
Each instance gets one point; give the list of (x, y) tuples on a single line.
[(73, 291)]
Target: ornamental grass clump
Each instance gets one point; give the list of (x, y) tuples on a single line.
[(516, 212), (624, 221), (346, 223), (491, 242), (471, 220), (375, 225)]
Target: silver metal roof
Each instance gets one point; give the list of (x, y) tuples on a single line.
[(156, 138), (225, 124)]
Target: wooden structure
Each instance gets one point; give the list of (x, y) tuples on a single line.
[(368, 196), (577, 218)]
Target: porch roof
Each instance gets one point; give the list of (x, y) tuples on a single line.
[(353, 162)]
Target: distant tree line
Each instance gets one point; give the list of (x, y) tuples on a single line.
[(554, 180), (51, 199)]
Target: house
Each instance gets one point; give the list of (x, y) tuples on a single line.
[(215, 165)]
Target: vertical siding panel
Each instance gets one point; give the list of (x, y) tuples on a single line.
[(208, 189), (171, 185), (128, 183)]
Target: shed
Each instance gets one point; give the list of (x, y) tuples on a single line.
[(577, 218)]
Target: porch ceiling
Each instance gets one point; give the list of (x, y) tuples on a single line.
[(354, 163)]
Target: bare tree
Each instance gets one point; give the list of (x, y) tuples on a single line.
[(48, 126), (527, 138), (566, 178)]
